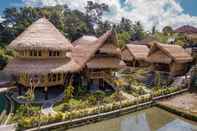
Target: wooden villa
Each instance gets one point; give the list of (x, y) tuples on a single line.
[(169, 58), (189, 31), (99, 58), (41, 59), (135, 55)]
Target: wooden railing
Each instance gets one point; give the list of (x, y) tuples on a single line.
[(98, 75), (103, 75)]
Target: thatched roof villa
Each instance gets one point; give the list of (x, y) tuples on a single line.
[(135, 55), (41, 56), (98, 57), (189, 31), (170, 58), (186, 29)]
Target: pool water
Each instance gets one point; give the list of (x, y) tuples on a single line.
[(2, 102), (152, 119)]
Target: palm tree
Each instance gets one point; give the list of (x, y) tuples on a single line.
[(69, 91), (119, 83), (99, 97)]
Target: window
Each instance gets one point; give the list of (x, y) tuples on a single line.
[(31, 53), (22, 53), (54, 53), (35, 53), (58, 53), (50, 53), (54, 77), (59, 77), (39, 53), (49, 77)]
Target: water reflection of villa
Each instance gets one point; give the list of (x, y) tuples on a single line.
[(147, 120)]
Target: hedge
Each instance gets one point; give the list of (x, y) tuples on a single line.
[(30, 122)]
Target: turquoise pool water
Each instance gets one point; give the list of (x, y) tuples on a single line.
[(153, 119)]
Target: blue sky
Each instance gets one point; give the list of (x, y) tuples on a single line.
[(149, 12), (189, 6)]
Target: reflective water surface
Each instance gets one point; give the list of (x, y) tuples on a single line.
[(153, 119)]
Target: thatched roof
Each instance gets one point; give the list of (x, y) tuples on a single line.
[(165, 53), (186, 29), (105, 63), (192, 37), (84, 40), (17, 66), (84, 52), (147, 41), (110, 49), (137, 52), (41, 35)]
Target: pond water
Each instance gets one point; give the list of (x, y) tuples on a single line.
[(152, 119), (2, 102)]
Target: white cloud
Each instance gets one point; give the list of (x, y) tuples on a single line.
[(149, 12), (1, 19)]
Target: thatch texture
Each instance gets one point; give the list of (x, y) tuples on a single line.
[(110, 49), (192, 37), (186, 29), (105, 63), (84, 40), (17, 66), (84, 52), (126, 55), (137, 52), (147, 41), (41, 35), (174, 52), (159, 57)]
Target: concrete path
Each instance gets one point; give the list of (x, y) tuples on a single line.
[(4, 89), (178, 82), (47, 109), (128, 96), (11, 127)]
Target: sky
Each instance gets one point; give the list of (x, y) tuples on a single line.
[(151, 13)]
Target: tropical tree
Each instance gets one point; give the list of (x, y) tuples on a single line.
[(123, 39), (99, 97), (167, 30), (119, 85), (69, 90), (139, 32)]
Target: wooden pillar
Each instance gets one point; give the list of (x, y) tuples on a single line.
[(46, 92), (19, 89)]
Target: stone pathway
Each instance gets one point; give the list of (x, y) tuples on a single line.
[(178, 82), (5, 89), (47, 109), (11, 127), (128, 96)]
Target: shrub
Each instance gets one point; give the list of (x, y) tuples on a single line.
[(92, 100)]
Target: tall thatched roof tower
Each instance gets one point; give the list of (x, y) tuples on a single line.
[(41, 55)]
